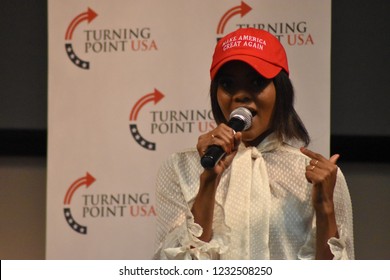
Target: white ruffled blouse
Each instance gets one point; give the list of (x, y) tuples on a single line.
[(263, 208)]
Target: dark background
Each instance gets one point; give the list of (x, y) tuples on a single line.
[(360, 122)]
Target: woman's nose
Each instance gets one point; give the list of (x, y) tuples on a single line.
[(242, 96)]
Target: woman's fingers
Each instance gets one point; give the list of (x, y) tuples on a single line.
[(333, 159), (320, 168)]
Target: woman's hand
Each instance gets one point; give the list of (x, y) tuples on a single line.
[(227, 139), (322, 173)]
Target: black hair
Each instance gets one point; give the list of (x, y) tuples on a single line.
[(285, 122)]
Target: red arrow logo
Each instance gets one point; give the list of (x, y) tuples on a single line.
[(89, 15), (87, 180), (155, 96), (243, 9)]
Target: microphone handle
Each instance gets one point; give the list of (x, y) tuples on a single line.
[(212, 156)]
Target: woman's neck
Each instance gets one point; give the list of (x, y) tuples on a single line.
[(258, 140)]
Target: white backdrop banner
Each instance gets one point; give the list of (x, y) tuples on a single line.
[(128, 85)]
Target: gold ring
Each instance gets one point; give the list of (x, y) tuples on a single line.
[(316, 162), (312, 168)]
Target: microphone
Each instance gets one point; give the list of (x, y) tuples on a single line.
[(240, 119)]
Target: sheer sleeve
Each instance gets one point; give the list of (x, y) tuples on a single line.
[(177, 233), (342, 248)]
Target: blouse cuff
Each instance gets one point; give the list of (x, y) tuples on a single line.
[(338, 246), (184, 243)]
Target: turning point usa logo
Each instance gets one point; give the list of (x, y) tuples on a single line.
[(90, 205), (166, 122), (103, 41), (293, 33)]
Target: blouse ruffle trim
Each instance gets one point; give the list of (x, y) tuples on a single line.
[(184, 243), (337, 246)]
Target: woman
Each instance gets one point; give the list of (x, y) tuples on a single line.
[(265, 199)]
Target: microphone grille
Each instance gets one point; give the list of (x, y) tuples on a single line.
[(243, 114)]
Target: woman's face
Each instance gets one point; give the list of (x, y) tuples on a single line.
[(239, 85)]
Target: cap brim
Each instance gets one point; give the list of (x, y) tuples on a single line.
[(264, 68)]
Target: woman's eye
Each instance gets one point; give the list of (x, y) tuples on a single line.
[(226, 83), (259, 83)]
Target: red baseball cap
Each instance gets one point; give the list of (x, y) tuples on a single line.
[(259, 48)]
